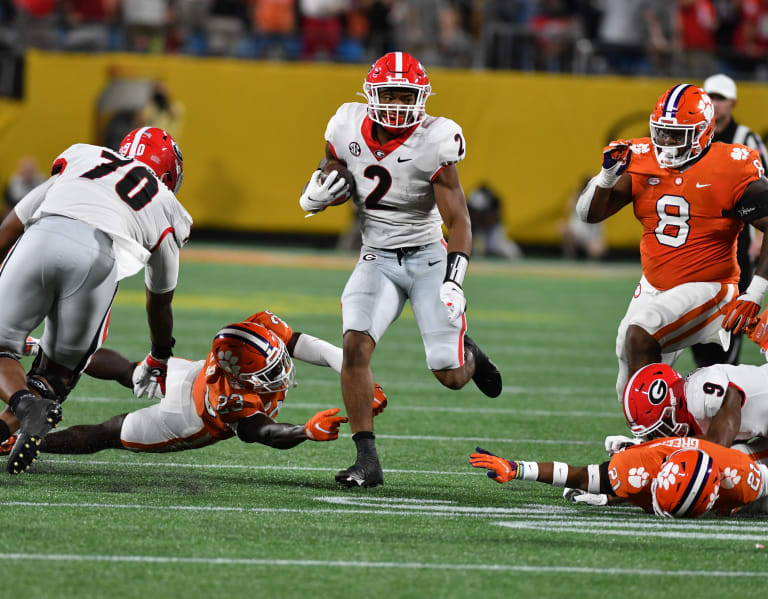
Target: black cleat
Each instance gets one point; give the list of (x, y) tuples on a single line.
[(366, 474), (36, 418), (487, 376)]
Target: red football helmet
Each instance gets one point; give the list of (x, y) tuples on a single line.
[(402, 71), (156, 148), (687, 485), (682, 125), (653, 402), (254, 357)]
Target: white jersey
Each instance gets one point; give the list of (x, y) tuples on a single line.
[(705, 390), (394, 181), (117, 195)]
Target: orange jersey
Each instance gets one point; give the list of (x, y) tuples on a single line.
[(219, 402), (631, 472), (685, 236)]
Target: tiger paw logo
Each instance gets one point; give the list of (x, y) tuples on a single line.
[(228, 362), (668, 476), (713, 497), (739, 153), (730, 478), (640, 148), (638, 477)]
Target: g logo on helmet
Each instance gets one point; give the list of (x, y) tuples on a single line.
[(657, 392)]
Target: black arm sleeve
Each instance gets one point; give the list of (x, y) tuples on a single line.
[(605, 481), (753, 203)]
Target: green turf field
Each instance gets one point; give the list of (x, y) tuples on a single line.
[(249, 521)]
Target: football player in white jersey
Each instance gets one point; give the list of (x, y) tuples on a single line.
[(407, 186), (101, 216), (722, 403)]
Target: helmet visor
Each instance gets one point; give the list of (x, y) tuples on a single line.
[(666, 426), (673, 143), (279, 375)]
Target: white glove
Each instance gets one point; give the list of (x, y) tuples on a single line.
[(453, 297), (318, 195), (149, 377), (579, 496), (615, 443)]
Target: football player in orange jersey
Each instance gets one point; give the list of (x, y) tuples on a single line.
[(692, 198), (674, 476), (237, 390)]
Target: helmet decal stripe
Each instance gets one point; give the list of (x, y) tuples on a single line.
[(697, 483), (255, 340), (398, 62), (671, 105), (625, 402), (136, 142)]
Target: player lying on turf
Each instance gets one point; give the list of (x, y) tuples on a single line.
[(677, 477), (237, 390)]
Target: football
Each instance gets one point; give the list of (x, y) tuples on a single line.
[(344, 173)]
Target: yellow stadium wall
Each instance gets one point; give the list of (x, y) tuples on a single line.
[(253, 132)]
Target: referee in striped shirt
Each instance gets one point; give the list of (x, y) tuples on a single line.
[(722, 90)]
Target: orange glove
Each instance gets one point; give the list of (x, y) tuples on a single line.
[(324, 426), (379, 399), (616, 158), (759, 332), (740, 313), (499, 469)]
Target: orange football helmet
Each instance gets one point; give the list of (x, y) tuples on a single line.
[(654, 403), (687, 485), (397, 70), (156, 148), (682, 125), (254, 357)]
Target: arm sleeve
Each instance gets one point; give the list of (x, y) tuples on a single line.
[(161, 273), (317, 351)]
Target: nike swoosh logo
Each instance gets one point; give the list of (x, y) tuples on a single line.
[(433, 263), (700, 185), (403, 159)]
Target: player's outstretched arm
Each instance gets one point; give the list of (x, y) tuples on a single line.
[(557, 474), (260, 428)]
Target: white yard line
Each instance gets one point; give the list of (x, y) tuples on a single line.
[(236, 561)]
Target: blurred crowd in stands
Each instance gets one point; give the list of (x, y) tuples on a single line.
[(648, 37)]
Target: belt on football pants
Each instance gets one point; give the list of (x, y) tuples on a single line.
[(403, 251)]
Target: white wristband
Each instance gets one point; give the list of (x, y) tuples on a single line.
[(559, 474), (528, 470), (593, 484), (606, 179), (756, 290)]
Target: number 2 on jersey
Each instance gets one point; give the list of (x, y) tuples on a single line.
[(372, 201), (672, 228)]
